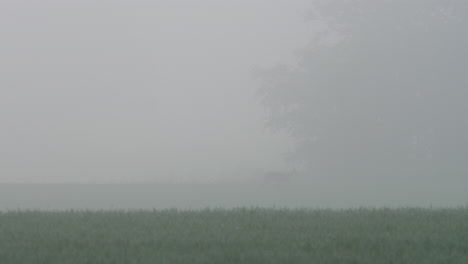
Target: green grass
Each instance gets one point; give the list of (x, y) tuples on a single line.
[(235, 236)]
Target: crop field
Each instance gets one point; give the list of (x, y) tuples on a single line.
[(253, 235)]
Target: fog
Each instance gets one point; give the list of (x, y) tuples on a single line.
[(104, 91), (270, 103)]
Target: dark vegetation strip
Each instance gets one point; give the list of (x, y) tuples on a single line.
[(256, 235)]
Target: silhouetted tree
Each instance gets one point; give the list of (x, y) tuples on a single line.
[(380, 90)]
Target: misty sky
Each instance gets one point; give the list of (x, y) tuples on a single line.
[(100, 91)]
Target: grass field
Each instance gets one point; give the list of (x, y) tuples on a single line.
[(235, 236)]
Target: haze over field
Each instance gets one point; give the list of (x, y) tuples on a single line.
[(105, 91), (305, 98)]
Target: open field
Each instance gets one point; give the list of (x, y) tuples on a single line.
[(199, 196), (406, 235)]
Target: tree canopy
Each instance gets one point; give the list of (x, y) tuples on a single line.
[(380, 90)]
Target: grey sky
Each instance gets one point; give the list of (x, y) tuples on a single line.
[(137, 90)]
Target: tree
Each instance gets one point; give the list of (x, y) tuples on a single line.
[(380, 90)]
